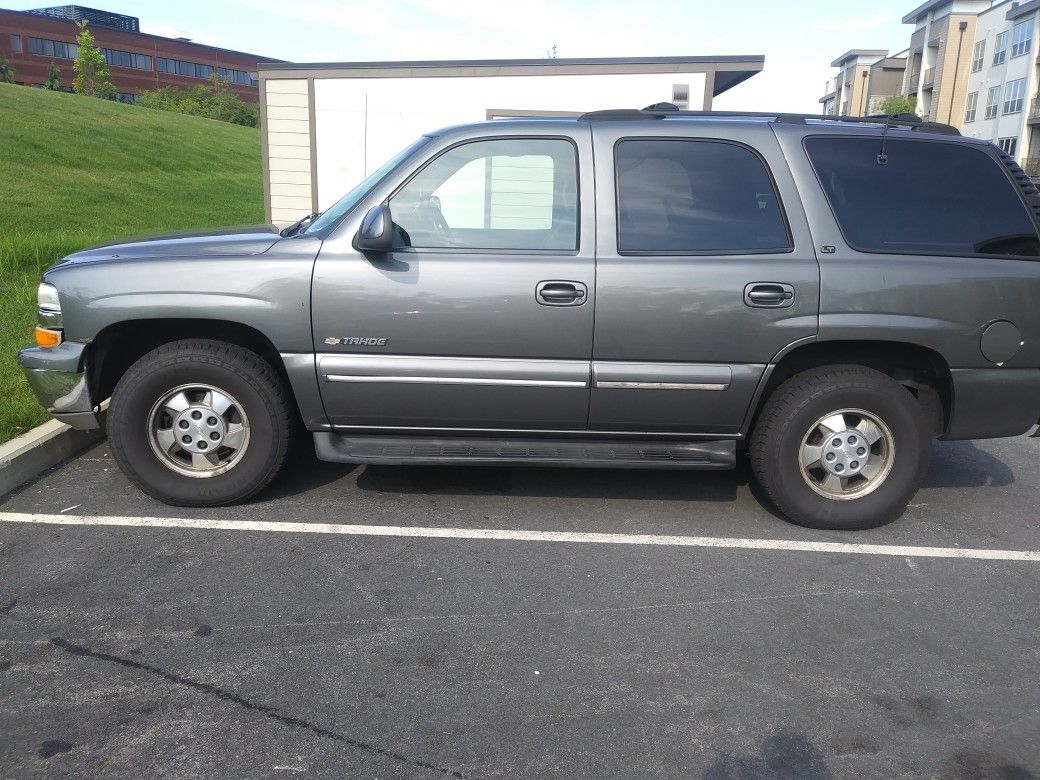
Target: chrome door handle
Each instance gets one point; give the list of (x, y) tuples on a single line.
[(769, 295), (560, 293)]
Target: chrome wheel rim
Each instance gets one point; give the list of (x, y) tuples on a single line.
[(198, 430), (847, 454)]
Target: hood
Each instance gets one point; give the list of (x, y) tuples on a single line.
[(230, 242)]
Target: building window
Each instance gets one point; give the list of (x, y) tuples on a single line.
[(693, 197), (971, 107), (1008, 145), (1022, 38), (940, 199), (182, 68), (993, 102), (198, 71), (239, 77), (126, 59), (979, 57), (16, 44), (1014, 96), (47, 48), (517, 194), (1000, 52)]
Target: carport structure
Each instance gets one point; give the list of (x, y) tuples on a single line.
[(326, 126)]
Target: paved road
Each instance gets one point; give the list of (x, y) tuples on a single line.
[(172, 652)]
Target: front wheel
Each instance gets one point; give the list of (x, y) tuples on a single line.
[(200, 423), (841, 448)]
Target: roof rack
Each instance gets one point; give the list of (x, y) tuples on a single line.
[(663, 110)]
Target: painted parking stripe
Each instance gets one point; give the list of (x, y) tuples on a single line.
[(512, 535)]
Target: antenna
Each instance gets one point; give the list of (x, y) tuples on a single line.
[(882, 158)]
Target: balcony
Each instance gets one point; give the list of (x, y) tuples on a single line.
[(1034, 112), (929, 79), (911, 85)]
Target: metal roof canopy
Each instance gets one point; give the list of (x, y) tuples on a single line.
[(729, 71)]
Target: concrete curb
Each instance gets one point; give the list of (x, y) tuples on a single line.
[(47, 445)]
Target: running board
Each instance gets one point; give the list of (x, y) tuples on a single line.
[(588, 453)]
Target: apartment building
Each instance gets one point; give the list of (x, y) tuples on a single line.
[(940, 56), (34, 40), (866, 79), (1001, 94), (848, 94), (886, 81)]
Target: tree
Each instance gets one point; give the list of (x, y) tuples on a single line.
[(6, 71), (899, 105), (92, 74), (53, 78)]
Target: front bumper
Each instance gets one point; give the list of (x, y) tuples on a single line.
[(59, 381)]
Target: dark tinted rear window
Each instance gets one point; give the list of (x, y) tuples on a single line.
[(931, 198), (696, 197)]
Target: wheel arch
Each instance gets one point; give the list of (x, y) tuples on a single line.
[(923, 371), (119, 345)]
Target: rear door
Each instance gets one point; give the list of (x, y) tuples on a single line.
[(704, 273), (481, 316)]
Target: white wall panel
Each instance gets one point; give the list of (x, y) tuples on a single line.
[(361, 123)]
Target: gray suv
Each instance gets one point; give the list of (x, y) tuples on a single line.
[(627, 289)]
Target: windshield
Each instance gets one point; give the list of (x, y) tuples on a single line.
[(342, 206)]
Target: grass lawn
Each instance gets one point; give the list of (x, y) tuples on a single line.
[(78, 171)]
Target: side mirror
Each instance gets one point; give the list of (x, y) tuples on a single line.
[(377, 231)]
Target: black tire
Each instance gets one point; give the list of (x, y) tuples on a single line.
[(235, 370), (789, 415)]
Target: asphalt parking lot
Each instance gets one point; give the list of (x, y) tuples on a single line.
[(239, 651)]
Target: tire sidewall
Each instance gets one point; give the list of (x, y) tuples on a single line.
[(899, 411), (128, 429)]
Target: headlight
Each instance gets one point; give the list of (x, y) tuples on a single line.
[(47, 298), (49, 306)]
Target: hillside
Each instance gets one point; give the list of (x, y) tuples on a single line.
[(77, 171)]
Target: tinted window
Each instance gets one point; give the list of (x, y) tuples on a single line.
[(930, 198), (687, 197), (495, 194)]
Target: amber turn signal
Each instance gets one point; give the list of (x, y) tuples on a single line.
[(47, 338)]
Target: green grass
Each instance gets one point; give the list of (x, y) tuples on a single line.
[(78, 171)]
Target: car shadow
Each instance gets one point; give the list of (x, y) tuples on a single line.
[(954, 464), (653, 485), (304, 473), (961, 464)]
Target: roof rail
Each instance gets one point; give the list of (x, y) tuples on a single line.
[(662, 110)]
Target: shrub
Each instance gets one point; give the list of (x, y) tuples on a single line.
[(53, 78), (215, 100), (900, 105), (6, 71)]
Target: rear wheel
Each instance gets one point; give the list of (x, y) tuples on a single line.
[(842, 447), (200, 423)]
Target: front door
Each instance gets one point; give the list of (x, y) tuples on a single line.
[(703, 278), (481, 317)]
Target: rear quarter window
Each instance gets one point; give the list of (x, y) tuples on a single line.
[(696, 197), (931, 198)]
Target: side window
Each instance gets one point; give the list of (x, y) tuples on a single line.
[(931, 198), (696, 197), (510, 193)]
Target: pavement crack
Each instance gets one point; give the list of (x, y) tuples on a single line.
[(263, 709)]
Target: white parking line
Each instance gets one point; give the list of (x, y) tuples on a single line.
[(516, 535)]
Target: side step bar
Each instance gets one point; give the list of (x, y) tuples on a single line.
[(434, 451)]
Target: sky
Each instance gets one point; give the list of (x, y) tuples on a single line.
[(799, 39)]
